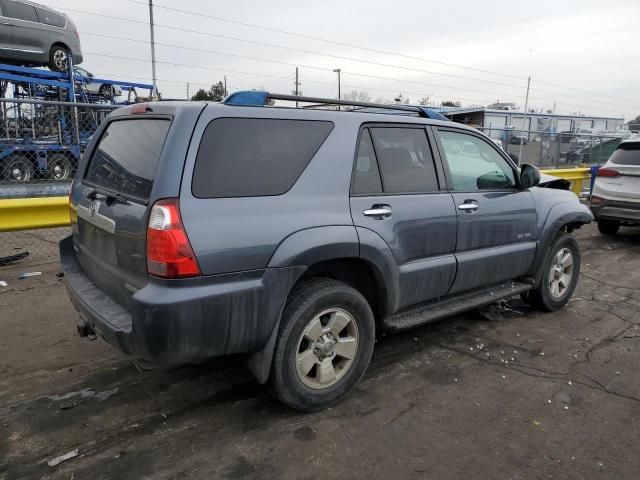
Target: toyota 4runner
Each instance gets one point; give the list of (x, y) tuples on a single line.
[(294, 235)]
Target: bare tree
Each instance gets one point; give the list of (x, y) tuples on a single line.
[(357, 96), (424, 101)]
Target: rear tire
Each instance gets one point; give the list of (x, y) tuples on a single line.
[(608, 227), (560, 274), (324, 345), (59, 58)]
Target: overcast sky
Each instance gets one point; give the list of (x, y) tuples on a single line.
[(588, 45)]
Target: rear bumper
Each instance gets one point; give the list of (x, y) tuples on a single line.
[(177, 321), (628, 212)]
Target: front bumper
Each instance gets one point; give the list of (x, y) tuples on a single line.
[(177, 321), (626, 212)]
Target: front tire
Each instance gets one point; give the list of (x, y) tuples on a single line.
[(608, 227), (324, 345), (561, 271)]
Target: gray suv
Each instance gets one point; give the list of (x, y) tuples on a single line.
[(34, 35), (294, 235)]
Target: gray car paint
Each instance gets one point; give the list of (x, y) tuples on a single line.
[(29, 43), (272, 240)]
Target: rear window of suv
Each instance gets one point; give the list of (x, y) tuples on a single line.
[(627, 154), (247, 157), (126, 157)]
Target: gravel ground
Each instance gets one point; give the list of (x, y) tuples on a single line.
[(512, 395)]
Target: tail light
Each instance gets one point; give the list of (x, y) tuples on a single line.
[(596, 200), (169, 253), (608, 172)]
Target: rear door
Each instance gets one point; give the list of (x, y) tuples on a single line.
[(112, 200), (396, 194), (496, 238)]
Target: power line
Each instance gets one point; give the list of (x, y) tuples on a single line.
[(360, 47), (556, 94), (379, 77), (353, 73), (320, 39), (300, 50), (306, 66), (499, 94)]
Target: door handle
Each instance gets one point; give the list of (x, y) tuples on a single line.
[(469, 206), (378, 211)]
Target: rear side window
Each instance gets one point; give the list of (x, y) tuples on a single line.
[(50, 18), (21, 11), (405, 160), (366, 178), (627, 154), (244, 157), (126, 157)]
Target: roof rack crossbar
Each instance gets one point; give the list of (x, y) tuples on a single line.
[(349, 103), (256, 98)]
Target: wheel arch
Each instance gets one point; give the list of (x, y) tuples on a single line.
[(331, 252), (562, 217)]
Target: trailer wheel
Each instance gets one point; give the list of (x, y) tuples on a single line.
[(60, 167), (18, 169)]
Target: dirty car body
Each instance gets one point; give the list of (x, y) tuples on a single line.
[(394, 207)]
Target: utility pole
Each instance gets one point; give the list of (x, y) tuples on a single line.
[(338, 71), (225, 86), (188, 95), (154, 93), (297, 90), (524, 119)]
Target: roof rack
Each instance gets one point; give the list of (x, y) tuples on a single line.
[(256, 98)]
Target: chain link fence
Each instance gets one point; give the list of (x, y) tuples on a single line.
[(41, 143), (557, 150)]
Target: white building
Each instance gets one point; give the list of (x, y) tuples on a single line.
[(498, 123)]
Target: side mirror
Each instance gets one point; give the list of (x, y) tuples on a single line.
[(529, 176)]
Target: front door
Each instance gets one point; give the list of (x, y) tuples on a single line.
[(496, 238), (395, 193)]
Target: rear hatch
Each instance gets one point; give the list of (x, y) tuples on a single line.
[(625, 161), (112, 200)]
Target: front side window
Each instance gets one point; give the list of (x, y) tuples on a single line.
[(474, 164), (20, 11), (405, 160)]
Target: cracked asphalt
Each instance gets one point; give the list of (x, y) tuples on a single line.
[(513, 394)]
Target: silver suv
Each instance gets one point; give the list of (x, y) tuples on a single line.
[(34, 35)]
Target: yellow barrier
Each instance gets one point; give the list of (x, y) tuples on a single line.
[(32, 213), (575, 175)]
